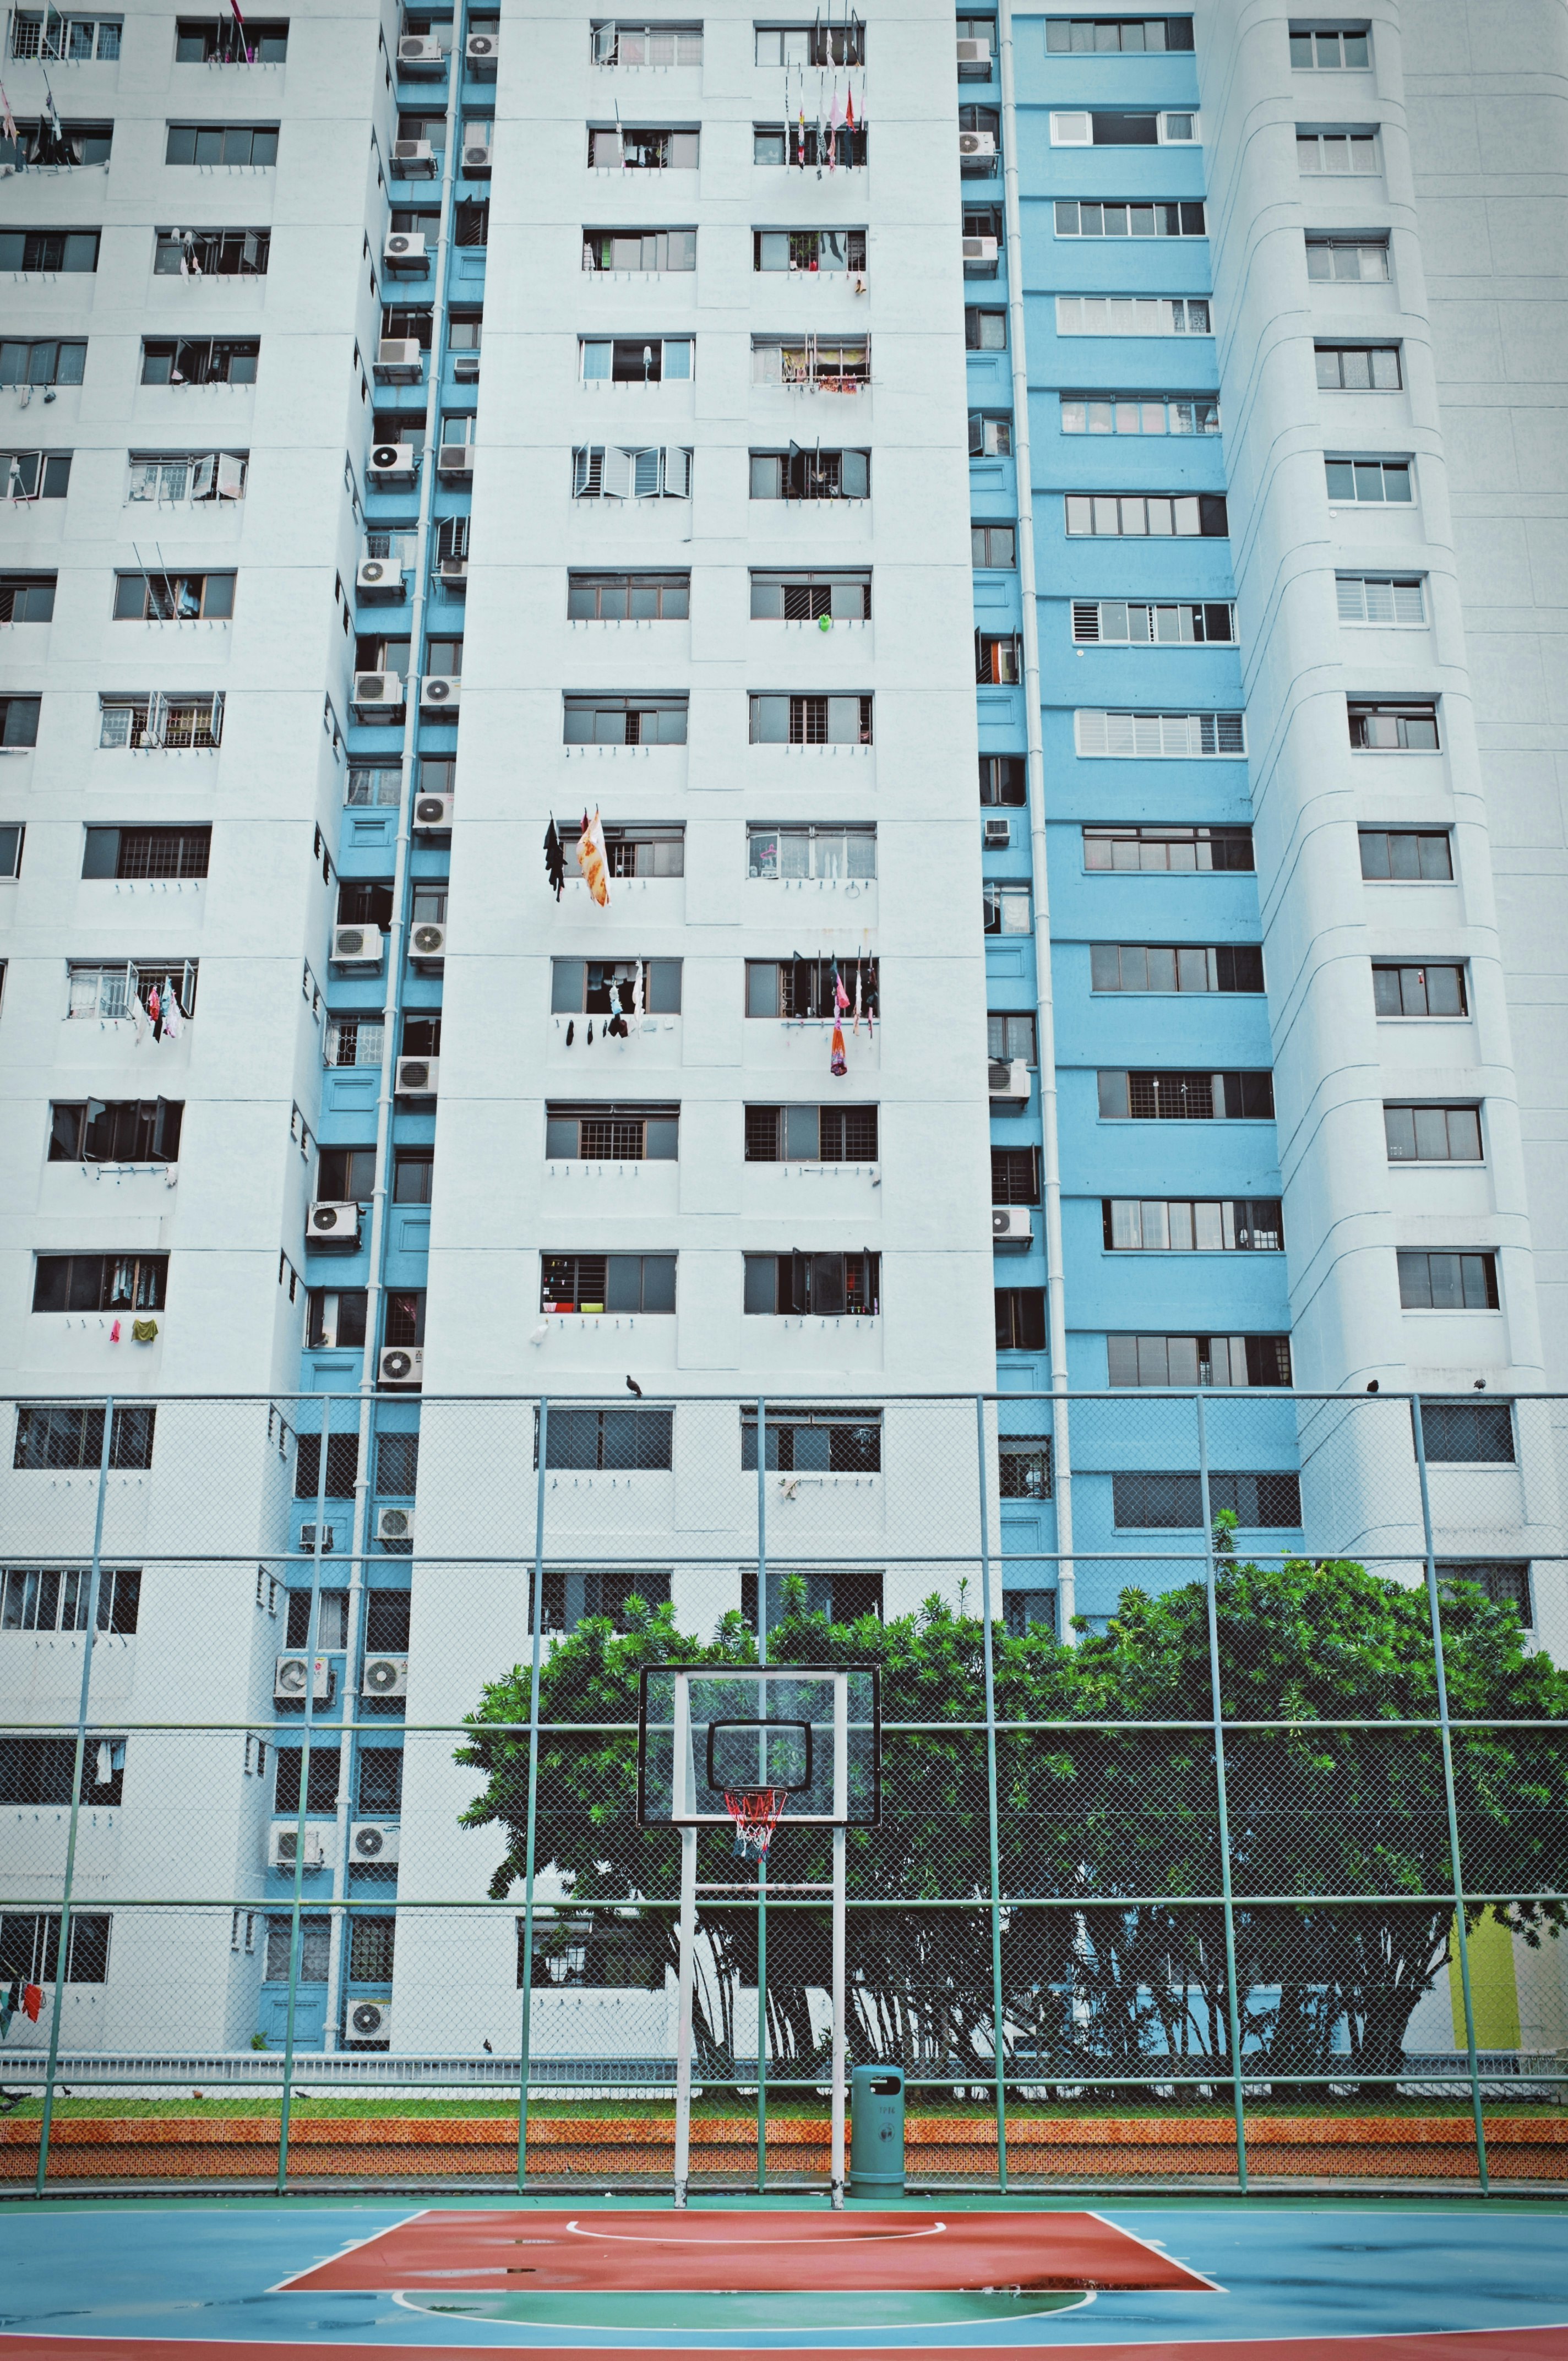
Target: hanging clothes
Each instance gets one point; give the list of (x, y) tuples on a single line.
[(155, 1013), (554, 858), (173, 1015), (617, 1024), (593, 860)]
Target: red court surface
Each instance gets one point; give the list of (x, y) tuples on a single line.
[(535, 2252), (1473, 2344)]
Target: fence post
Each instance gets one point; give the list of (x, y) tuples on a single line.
[(763, 1858), (296, 1932), (526, 2049), (1435, 1612), (997, 2024), (62, 1943), (1217, 1704)]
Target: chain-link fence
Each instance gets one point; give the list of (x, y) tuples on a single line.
[(1224, 1787)]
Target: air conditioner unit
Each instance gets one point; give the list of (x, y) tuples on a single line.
[(416, 1078), (455, 459), (453, 569), (370, 2020), (307, 1539), (403, 249), (357, 946), (333, 1225), (284, 1849), (413, 156), (432, 814), (392, 463), (427, 943), (385, 1676), (372, 1841), (1009, 1225), (977, 146), (466, 368), (398, 360), (401, 1365), (440, 688), (1009, 1078), (385, 690), (976, 249), (379, 576), (476, 153), (394, 1524), (482, 51), (420, 50), (975, 53), (998, 832), (291, 1677)]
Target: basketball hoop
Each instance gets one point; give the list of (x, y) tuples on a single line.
[(756, 1812)]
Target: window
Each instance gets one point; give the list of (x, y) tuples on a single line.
[(989, 437), (983, 221), (836, 367), (371, 1942), (61, 1434), (1140, 414), (984, 332), (1199, 1360), (1134, 316), (346, 1175), (42, 361), (583, 987), (42, 1769), (625, 720), (814, 1439), (222, 143), (1406, 855), (811, 721), (354, 1041), (797, 475), (431, 128), (1478, 1432), (807, 598), (1023, 1611), (199, 360), (587, 1437), (647, 45), (1237, 1095), (375, 782), (1369, 482), (602, 1132), (812, 45), (48, 1598), (994, 545), (62, 145), (386, 1613), (159, 720), (173, 597), (263, 41), (1432, 1135), (404, 1320), (1167, 1502), (1165, 736), (363, 902), (841, 1594), (1130, 219), (1107, 128), (321, 1780), (1140, 967), (1353, 151), (30, 1947), (27, 597), (464, 331), (1006, 904), (570, 1597), (1132, 36), (800, 989), (115, 1131), (786, 143), (1020, 1319), (1014, 1176), (1346, 258), (1380, 598), (1332, 48), (800, 852), (48, 249), (1003, 779), (213, 254), (998, 658), (1010, 1034), (1447, 1283), (342, 1467), (1118, 621), (1358, 369), (1024, 1466), (380, 1792), (316, 1947), (50, 34), (1505, 1581), (808, 250), (635, 360), (1390, 729), (12, 836), (336, 1318), (110, 992), (605, 471), (1161, 848), (1140, 514), (811, 1135), (617, 147), (168, 478), (35, 475), (100, 1282), (641, 250), (598, 1283), (825, 1286), (646, 850), (1193, 1225), (413, 1175)]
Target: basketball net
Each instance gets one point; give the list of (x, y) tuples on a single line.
[(756, 1812)]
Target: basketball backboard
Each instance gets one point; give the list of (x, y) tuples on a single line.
[(815, 1731)]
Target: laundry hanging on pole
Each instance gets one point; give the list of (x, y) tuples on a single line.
[(593, 860), (554, 858)]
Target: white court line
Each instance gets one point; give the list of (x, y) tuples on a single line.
[(1160, 2256), (870, 2238), (350, 2246)]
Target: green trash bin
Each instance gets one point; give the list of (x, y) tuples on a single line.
[(876, 2132)]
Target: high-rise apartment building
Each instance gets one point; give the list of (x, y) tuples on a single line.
[(722, 438)]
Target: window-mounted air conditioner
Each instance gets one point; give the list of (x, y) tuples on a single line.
[(981, 250), (477, 147), (440, 688), (385, 1676), (1009, 1078), (403, 249), (433, 815), (357, 946), (416, 1078), (427, 943), (975, 53), (1009, 1225), (379, 578), (466, 368), (482, 51), (291, 1677), (286, 1851), (421, 49), (307, 1539), (392, 463), (398, 360), (977, 147), (998, 832), (372, 1843), (394, 1524), (453, 569), (333, 1225), (413, 156), (401, 1365), (383, 691), (370, 2020), (455, 459)]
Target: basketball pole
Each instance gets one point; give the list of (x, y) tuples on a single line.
[(684, 2038)]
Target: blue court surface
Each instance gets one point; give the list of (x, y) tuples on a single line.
[(255, 2279)]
